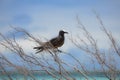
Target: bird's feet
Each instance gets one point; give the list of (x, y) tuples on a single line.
[(59, 51)]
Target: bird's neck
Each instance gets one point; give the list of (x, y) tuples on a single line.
[(61, 36)]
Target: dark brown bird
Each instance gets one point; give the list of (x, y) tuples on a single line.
[(53, 43)]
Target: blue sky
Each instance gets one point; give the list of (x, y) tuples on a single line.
[(47, 17)]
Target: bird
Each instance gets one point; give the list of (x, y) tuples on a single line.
[(54, 43)]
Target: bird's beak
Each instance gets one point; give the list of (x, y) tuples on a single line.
[(66, 32)]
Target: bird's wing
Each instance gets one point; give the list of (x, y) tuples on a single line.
[(54, 41)]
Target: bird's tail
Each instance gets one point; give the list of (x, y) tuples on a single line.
[(39, 49)]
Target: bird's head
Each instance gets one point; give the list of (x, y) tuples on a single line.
[(61, 32)]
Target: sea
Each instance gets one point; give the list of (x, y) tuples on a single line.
[(43, 76)]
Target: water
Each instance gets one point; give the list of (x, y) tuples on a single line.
[(43, 76)]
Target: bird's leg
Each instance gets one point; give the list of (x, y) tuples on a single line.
[(59, 50)]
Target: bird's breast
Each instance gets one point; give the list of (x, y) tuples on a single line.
[(59, 43)]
